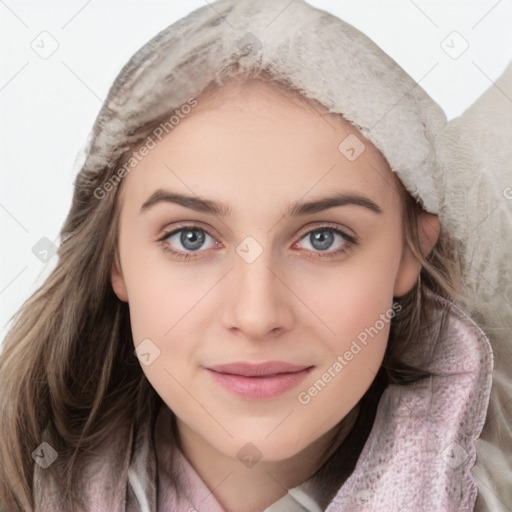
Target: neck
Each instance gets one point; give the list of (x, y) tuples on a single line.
[(252, 489)]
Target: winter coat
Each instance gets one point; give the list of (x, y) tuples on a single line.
[(424, 452)]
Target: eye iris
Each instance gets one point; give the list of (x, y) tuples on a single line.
[(320, 241), (192, 236)]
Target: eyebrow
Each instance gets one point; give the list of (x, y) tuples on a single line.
[(296, 208)]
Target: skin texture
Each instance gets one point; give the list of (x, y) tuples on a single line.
[(257, 150)]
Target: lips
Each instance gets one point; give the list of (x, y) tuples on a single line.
[(258, 381), (270, 368)]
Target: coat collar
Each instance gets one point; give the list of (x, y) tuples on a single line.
[(421, 449)]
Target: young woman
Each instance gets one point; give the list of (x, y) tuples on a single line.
[(255, 304)]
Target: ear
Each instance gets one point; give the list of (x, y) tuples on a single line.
[(429, 228), (117, 279)]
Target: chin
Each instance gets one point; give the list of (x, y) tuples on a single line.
[(274, 448)]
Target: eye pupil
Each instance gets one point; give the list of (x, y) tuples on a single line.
[(320, 240), (191, 236)]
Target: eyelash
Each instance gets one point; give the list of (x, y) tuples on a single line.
[(350, 241)]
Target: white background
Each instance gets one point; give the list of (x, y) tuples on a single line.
[(47, 106)]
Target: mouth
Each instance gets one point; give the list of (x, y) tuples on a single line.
[(258, 381)]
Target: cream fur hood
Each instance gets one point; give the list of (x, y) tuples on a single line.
[(459, 170)]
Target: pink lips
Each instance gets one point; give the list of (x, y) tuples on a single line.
[(258, 381)]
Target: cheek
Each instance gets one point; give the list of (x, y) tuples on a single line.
[(352, 297), (353, 349), (156, 306), (161, 317), (162, 299), (351, 359), (356, 307), (160, 292)]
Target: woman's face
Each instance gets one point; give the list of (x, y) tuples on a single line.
[(264, 234)]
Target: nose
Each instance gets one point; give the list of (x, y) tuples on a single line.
[(258, 300)]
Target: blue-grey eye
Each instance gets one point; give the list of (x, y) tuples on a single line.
[(322, 239), (191, 239)]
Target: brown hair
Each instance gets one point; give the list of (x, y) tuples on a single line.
[(68, 367)]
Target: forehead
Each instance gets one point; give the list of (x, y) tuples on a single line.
[(257, 136)]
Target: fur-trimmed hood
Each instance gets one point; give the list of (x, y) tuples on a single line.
[(457, 170)]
